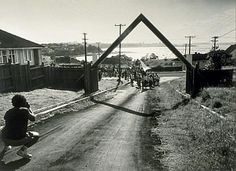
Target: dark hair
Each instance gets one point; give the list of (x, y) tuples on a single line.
[(18, 101)]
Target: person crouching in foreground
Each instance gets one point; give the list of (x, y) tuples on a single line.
[(15, 131)]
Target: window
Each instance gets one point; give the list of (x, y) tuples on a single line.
[(4, 56), (25, 55), (29, 55), (12, 56), (1, 60)]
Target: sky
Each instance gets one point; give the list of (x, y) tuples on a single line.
[(48, 21)]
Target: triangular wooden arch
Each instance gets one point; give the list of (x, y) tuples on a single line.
[(142, 18)]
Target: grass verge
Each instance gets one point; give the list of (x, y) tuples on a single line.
[(42, 98), (192, 138)]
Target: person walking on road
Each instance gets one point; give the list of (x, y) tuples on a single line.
[(15, 131), (132, 79), (139, 78)]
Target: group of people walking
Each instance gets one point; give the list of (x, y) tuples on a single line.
[(145, 80)]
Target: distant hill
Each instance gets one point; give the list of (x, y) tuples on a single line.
[(67, 49), (114, 60)]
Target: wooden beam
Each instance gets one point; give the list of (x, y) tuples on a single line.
[(142, 18), (118, 40), (165, 41)]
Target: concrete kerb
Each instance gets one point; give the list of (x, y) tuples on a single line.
[(187, 96)]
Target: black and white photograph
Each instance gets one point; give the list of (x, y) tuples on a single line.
[(117, 85)]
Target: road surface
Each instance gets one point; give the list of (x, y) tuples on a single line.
[(110, 135)]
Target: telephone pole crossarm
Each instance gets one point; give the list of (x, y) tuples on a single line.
[(214, 42)]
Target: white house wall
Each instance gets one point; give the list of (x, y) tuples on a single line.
[(23, 55), (40, 57), (19, 54)]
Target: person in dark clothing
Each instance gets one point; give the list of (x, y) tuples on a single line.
[(15, 131)]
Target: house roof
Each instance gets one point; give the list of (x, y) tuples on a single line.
[(195, 57), (230, 49), (8, 40), (199, 57)]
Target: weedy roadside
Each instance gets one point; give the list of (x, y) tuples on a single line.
[(191, 137)]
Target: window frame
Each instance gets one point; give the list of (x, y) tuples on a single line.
[(1, 57), (4, 60), (12, 56)]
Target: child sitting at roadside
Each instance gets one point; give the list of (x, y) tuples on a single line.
[(15, 131)]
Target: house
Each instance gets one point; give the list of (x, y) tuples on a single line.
[(195, 58), (231, 50), (17, 50)]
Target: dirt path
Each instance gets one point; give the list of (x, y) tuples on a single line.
[(103, 137)]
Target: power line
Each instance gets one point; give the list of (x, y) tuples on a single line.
[(227, 32)]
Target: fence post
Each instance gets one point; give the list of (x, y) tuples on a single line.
[(46, 75), (192, 81), (28, 76), (13, 72), (96, 79), (87, 80), (93, 79), (189, 77), (16, 75)]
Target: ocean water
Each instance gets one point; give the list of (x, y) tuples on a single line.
[(161, 52)]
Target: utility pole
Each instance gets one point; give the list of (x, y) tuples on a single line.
[(86, 77), (189, 43), (119, 71), (214, 42), (98, 44), (85, 48), (185, 49)]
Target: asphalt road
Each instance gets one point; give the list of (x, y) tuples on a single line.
[(107, 136)]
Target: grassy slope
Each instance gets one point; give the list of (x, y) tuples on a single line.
[(193, 139), (41, 98)]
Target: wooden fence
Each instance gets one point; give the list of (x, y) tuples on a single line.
[(93, 79), (22, 77), (197, 79), (16, 78), (66, 78), (6, 80)]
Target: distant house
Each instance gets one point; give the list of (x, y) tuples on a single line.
[(150, 56), (231, 50), (199, 58), (16, 50)]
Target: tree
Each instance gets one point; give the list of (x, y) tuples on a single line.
[(218, 59)]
